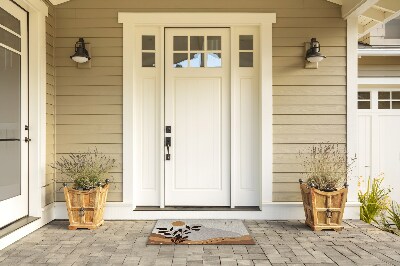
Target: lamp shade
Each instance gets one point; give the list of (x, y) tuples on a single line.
[(81, 54), (313, 54)]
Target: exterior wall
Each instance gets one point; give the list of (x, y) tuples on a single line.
[(309, 104), (50, 107), (379, 66)]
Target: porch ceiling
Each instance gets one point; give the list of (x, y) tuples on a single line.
[(371, 13)]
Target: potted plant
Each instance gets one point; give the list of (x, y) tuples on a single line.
[(86, 198), (324, 192)]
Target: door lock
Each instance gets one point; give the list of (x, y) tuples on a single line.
[(27, 139), (168, 144)]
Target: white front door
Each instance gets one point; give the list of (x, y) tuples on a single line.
[(197, 108), (378, 135), (13, 113)]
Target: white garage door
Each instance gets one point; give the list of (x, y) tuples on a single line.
[(379, 136)]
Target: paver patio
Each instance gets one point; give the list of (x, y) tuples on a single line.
[(278, 243)]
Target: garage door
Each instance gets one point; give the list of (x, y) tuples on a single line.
[(379, 136)]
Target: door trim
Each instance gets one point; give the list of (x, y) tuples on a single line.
[(132, 128)]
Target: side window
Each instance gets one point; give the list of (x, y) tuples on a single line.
[(148, 51), (364, 100), (246, 50)]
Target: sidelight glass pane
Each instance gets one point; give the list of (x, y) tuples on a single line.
[(214, 60), (214, 43), (246, 59), (246, 42), (396, 95), (197, 60), (180, 60), (396, 105), (196, 43), (148, 42), (7, 20), (10, 40), (10, 121), (148, 59), (180, 43)]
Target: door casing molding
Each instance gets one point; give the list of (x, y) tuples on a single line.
[(131, 126)]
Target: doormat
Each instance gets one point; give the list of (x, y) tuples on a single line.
[(200, 232)]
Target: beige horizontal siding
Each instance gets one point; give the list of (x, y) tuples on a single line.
[(49, 184), (379, 66), (309, 104)]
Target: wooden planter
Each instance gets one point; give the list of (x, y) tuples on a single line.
[(85, 207), (323, 210)]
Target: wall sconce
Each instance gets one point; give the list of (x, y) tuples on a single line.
[(81, 54), (313, 55)]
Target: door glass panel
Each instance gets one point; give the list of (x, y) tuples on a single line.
[(197, 43), (396, 105), (396, 95), (148, 59), (7, 20), (214, 60), (10, 39), (180, 60), (364, 105), (180, 43), (384, 95), (197, 60), (10, 121), (384, 105), (364, 95), (214, 43)]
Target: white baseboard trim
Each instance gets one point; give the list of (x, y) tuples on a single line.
[(47, 216), (270, 211)]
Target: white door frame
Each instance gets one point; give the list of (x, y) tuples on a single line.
[(37, 12), (131, 122)]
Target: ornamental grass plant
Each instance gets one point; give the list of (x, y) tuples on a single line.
[(87, 169), (326, 166)]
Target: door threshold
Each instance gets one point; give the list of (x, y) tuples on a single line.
[(196, 208), (8, 229)]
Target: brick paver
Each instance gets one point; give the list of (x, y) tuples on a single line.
[(278, 243)]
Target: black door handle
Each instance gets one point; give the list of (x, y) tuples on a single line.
[(168, 144)]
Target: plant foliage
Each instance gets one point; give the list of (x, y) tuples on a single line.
[(86, 170), (374, 201), (325, 166)]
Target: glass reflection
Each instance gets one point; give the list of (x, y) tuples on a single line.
[(197, 60), (214, 60), (180, 60)]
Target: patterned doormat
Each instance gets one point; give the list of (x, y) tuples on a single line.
[(200, 232)]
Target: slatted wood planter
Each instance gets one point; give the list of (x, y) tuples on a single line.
[(85, 207), (323, 210)]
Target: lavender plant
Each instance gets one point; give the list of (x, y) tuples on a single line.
[(325, 166), (86, 170)]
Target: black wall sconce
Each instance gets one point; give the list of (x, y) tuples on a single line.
[(313, 55), (81, 55)]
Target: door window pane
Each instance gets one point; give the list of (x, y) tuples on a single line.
[(10, 39), (364, 105), (7, 20), (214, 43), (214, 60), (10, 124), (197, 60), (384, 95), (180, 60), (384, 105), (180, 43), (197, 43), (364, 95), (396, 105), (396, 95)]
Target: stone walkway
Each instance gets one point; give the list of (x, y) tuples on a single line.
[(278, 243)]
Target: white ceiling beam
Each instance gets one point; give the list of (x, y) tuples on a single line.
[(57, 2), (354, 8), (375, 14), (389, 5)]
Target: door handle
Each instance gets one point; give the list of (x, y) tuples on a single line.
[(168, 144), (27, 139)]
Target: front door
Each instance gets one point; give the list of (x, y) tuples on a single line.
[(197, 110), (13, 113)]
